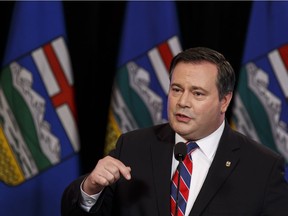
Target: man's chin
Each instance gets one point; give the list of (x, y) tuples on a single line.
[(182, 131)]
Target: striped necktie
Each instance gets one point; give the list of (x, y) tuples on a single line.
[(185, 177)]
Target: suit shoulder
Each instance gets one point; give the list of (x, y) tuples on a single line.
[(254, 146), (147, 130), (162, 132)]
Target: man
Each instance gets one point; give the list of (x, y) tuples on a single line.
[(232, 175)]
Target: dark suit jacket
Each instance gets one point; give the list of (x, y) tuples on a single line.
[(252, 185)]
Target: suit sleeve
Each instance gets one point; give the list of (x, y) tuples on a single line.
[(70, 203), (276, 197)]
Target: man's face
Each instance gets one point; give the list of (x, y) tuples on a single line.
[(194, 109)]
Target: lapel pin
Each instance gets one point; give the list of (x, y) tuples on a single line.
[(228, 163)]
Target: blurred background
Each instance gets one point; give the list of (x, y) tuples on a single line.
[(94, 30)]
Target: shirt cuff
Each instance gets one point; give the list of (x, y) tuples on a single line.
[(87, 201)]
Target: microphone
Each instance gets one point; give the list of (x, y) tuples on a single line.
[(180, 151)]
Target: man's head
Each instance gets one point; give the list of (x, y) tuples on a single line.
[(201, 88), (226, 76)]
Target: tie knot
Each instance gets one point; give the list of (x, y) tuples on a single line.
[(191, 146)]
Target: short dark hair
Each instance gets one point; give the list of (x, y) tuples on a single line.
[(226, 76)]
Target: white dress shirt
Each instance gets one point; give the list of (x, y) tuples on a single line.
[(202, 158)]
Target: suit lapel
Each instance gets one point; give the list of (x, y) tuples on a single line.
[(225, 161), (162, 152)]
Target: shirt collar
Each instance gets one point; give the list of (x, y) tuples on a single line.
[(209, 144)]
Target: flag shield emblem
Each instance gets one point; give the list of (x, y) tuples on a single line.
[(35, 97), (139, 97), (261, 103)]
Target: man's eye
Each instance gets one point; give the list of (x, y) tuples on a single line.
[(198, 93), (175, 89)]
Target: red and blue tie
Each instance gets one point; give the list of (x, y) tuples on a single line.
[(185, 168)]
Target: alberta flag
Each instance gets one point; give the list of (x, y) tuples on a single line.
[(261, 101), (38, 129), (150, 39)]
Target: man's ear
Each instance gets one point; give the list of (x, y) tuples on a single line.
[(225, 101)]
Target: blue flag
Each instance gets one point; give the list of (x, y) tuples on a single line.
[(261, 100), (150, 39), (38, 130)]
